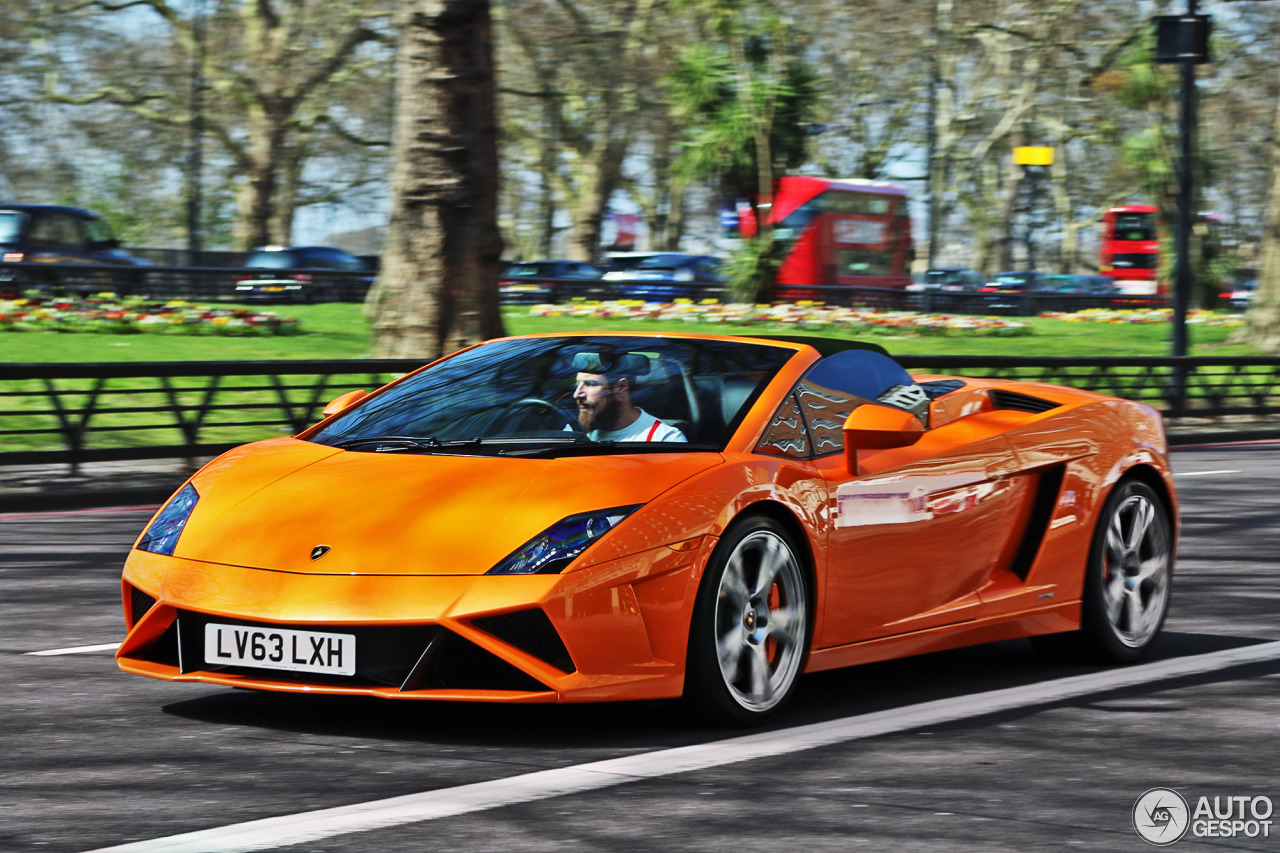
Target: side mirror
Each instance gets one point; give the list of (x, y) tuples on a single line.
[(345, 401), (875, 427)]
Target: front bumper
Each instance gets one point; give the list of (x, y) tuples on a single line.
[(612, 631)]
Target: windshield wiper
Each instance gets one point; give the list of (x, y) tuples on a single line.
[(393, 442), (526, 446), (609, 448)]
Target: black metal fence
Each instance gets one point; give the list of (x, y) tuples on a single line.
[(76, 413)]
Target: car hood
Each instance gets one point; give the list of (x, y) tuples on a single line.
[(268, 505)]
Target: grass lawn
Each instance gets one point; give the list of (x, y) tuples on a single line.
[(337, 330)]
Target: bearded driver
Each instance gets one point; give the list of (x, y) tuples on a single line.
[(607, 414)]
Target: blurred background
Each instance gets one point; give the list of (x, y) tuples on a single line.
[(197, 126)]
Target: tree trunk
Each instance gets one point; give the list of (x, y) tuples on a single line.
[(601, 179), (437, 291), (1262, 323), (257, 197)]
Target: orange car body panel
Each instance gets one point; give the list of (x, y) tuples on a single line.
[(922, 549)]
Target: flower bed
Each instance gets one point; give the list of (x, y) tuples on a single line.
[(106, 314), (1144, 315), (807, 316)]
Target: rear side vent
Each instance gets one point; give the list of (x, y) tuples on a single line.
[(531, 632), (1014, 401)]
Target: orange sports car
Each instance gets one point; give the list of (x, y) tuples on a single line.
[(591, 517)]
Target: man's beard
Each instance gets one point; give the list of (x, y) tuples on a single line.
[(602, 415)]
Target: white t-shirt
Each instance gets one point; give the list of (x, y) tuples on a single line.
[(645, 428)]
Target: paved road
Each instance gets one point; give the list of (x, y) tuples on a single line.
[(984, 749)]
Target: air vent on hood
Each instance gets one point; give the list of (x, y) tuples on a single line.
[(1002, 399)]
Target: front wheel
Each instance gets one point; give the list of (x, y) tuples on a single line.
[(750, 626), (1129, 580)]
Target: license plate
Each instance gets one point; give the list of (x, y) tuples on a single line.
[(280, 648), (273, 288)]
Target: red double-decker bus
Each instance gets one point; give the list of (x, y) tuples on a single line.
[(842, 233), (1131, 248)]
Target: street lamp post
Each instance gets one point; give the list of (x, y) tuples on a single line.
[(1035, 161), (1183, 39)]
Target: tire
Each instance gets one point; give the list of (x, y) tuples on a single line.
[(751, 624), (1128, 582)]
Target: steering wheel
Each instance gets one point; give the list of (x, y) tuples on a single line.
[(563, 417)]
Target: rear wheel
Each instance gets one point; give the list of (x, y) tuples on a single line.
[(1129, 580), (750, 625)]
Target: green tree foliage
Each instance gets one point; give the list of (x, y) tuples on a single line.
[(747, 96), (722, 144)]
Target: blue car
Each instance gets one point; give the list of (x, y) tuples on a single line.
[(42, 244), (661, 278)]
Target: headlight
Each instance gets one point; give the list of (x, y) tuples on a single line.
[(161, 536), (557, 546)]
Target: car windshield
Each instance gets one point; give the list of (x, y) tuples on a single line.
[(662, 262), (529, 270), (517, 397), (274, 260), (10, 225), (625, 264)]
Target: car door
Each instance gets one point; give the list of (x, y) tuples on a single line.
[(915, 531)]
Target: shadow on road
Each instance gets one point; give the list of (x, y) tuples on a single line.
[(649, 725)]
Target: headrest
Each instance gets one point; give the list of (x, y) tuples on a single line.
[(610, 363)]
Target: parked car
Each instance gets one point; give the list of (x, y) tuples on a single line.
[(944, 288), (619, 265), (1240, 296), (1003, 291), (537, 281), (950, 280), (56, 235), (668, 276), (304, 274), (1099, 285), (1084, 285)]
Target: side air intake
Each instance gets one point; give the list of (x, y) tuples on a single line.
[(1012, 400), (531, 632), (139, 604)]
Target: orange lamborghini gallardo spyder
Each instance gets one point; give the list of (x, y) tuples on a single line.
[(596, 517)]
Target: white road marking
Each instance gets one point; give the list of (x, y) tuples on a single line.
[(1203, 473), (5, 516), (76, 650), (449, 802)]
